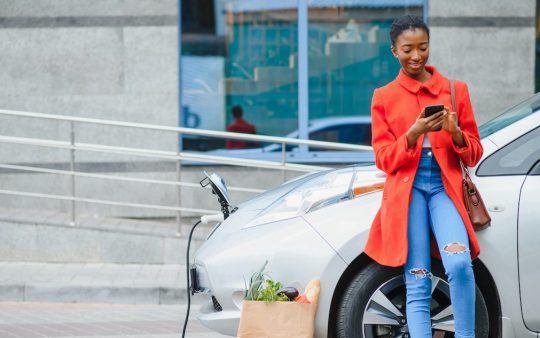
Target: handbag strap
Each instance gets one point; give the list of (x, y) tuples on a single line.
[(453, 94), (464, 169)]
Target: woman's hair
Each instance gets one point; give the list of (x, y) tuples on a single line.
[(405, 22)]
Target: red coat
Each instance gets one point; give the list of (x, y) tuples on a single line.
[(395, 107)]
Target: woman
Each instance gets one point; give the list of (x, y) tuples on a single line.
[(422, 211)]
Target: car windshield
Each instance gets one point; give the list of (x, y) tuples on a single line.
[(510, 116)]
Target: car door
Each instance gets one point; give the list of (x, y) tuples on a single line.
[(521, 160), (529, 235)]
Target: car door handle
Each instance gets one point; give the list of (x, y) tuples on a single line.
[(496, 208)]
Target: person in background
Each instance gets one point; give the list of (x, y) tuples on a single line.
[(240, 126)]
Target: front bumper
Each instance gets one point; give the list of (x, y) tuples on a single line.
[(295, 252)]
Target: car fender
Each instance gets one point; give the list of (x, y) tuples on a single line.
[(345, 226)]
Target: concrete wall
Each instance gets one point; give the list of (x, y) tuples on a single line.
[(111, 59), (490, 44)]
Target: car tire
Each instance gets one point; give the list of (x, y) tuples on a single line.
[(375, 279)]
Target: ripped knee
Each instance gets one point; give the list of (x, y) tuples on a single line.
[(455, 248), (420, 273)]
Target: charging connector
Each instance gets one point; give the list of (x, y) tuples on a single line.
[(212, 218)]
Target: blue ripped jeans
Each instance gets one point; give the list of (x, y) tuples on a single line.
[(430, 207)]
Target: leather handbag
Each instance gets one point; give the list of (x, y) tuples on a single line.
[(474, 203)]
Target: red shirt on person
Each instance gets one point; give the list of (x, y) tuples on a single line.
[(240, 126)]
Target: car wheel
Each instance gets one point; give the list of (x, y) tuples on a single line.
[(373, 305)]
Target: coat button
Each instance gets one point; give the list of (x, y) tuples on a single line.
[(406, 179)]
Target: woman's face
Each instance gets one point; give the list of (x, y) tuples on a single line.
[(412, 50)]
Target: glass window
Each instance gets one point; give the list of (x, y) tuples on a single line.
[(243, 54), (516, 158), (535, 171), (349, 54), (356, 133), (353, 134), (241, 59)]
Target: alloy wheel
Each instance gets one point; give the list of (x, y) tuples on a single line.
[(385, 316)]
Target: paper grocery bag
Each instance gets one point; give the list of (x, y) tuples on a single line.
[(276, 320)]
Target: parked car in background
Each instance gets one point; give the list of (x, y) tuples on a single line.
[(316, 226), (349, 130)]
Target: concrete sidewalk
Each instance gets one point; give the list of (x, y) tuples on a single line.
[(33, 320), (93, 283)]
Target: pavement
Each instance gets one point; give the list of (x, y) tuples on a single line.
[(28, 320)]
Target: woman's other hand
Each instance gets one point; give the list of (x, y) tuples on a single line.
[(450, 124), (425, 124), (450, 121)]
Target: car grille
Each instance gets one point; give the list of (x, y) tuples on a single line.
[(217, 306)]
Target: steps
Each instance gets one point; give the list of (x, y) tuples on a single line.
[(93, 283), (103, 260), (43, 236)]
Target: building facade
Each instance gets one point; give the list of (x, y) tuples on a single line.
[(137, 60), (251, 57), (286, 62)]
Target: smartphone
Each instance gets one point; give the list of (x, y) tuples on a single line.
[(430, 110)]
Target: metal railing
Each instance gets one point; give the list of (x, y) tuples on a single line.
[(177, 156)]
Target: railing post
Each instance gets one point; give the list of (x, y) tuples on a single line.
[(178, 195), (72, 169), (283, 161)]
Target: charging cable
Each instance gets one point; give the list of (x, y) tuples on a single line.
[(204, 219)]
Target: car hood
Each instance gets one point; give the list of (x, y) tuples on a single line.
[(365, 174), (254, 207)]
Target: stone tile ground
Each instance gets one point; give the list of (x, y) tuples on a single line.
[(29, 320)]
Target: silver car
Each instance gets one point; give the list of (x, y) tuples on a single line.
[(317, 226)]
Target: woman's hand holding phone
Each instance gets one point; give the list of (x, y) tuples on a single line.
[(425, 123), (431, 119)]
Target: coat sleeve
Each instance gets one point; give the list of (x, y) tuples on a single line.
[(472, 152), (391, 151)]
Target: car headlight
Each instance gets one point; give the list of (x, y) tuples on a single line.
[(333, 187)]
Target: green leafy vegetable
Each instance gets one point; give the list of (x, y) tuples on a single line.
[(255, 284), (262, 288), (269, 292)]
